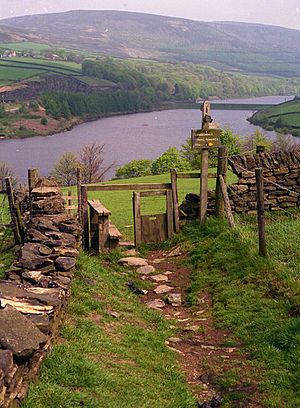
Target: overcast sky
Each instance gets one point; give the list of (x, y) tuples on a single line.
[(285, 13)]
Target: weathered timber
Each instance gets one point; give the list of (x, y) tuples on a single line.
[(225, 197), (170, 213), (85, 218), (99, 226), (261, 212), (175, 199), (78, 179), (222, 170), (136, 201), (14, 217), (195, 175), (203, 186), (132, 187)]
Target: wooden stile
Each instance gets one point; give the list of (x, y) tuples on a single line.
[(170, 212), (124, 187)]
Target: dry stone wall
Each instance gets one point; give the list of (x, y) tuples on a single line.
[(35, 290), (281, 184)]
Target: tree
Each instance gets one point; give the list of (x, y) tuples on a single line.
[(259, 138), (232, 141), (135, 168), (7, 171), (92, 163), (65, 169), (191, 155), (168, 160), (2, 111)]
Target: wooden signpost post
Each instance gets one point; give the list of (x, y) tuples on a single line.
[(204, 139)]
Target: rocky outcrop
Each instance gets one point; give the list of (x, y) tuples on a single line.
[(281, 184), (34, 294)]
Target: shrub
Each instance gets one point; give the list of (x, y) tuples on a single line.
[(44, 121), (168, 160), (135, 168)]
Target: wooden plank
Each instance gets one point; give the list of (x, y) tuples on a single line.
[(222, 170), (11, 201), (175, 200), (154, 193), (70, 207), (133, 187), (94, 230), (136, 200), (154, 228), (114, 233), (226, 202), (85, 218), (194, 175), (170, 215), (69, 197), (78, 179), (99, 208), (103, 233), (203, 186), (260, 211)]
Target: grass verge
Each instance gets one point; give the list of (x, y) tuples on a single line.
[(256, 298), (102, 361)]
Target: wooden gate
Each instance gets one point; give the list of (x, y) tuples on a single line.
[(153, 228)]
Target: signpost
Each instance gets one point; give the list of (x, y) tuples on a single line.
[(204, 139)]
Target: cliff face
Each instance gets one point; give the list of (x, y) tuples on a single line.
[(32, 89)]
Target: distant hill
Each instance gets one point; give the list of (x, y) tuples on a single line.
[(249, 48), (284, 117)]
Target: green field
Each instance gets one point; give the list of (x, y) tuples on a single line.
[(19, 69), (284, 118), (25, 46)]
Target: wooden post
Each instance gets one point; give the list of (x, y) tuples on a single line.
[(203, 186), (170, 218), (33, 175), (175, 199), (85, 219), (260, 211), (222, 170), (223, 189), (14, 219), (79, 212), (137, 218)]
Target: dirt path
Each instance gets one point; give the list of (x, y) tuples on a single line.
[(212, 361)]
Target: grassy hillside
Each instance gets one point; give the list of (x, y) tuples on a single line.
[(284, 117), (228, 46)]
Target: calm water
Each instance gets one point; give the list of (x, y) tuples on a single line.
[(137, 136)]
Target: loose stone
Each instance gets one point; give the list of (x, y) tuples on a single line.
[(174, 299), (159, 278), (156, 304), (163, 289), (133, 261)]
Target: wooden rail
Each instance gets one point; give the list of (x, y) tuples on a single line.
[(128, 187)]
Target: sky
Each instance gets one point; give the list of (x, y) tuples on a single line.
[(284, 13)]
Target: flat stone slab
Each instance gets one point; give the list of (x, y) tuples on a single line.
[(156, 304), (19, 334), (191, 328), (159, 278), (65, 263), (158, 260), (133, 261), (163, 289), (131, 252), (146, 270), (174, 299)]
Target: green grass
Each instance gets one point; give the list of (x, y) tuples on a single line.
[(101, 361), (256, 298), (25, 46)]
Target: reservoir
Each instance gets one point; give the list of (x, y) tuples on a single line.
[(125, 137)]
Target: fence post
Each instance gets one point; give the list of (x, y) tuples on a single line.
[(175, 199), (85, 219), (225, 198), (260, 211), (203, 186), (33, 175), (136, 200), (14, 218), (78, 177), (221, 171)]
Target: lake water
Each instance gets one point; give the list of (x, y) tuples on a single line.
[(136, 136)]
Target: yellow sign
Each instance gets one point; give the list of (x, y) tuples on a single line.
[(206, 138)]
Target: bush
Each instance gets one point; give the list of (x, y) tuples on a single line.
[(44, 121), (33, 105), (169, 160), (2, 111), (135, 168)]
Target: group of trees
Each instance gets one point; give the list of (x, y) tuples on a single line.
[(90, 160)]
